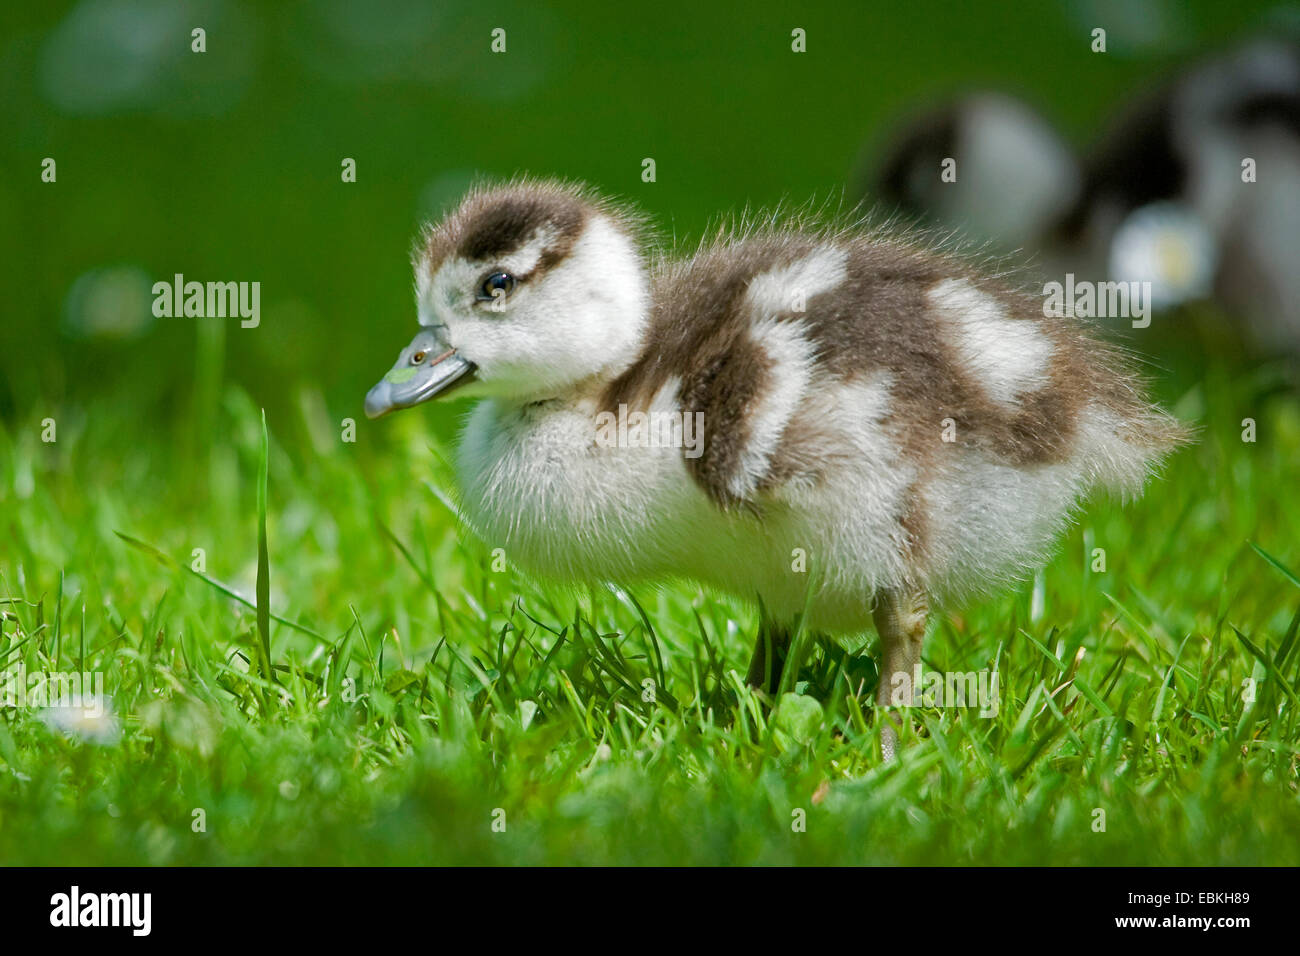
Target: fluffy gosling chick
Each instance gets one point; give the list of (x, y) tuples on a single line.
[(920, 431)]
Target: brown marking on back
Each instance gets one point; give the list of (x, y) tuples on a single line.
[(726, 391), (878, 320), (882, 319), (697, 315), (699, 331)]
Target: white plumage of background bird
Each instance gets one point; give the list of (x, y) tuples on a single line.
[(918, 429)]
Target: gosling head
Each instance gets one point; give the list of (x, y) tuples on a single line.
[(524, 292)]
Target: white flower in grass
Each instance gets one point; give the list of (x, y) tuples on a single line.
[(1169, 246), (89, 718)]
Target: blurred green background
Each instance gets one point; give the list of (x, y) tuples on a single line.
[(225, 165)]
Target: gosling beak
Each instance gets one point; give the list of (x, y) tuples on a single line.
[(424, 369)]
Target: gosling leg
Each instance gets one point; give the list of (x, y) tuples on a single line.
[(900, 619), (768, 661)]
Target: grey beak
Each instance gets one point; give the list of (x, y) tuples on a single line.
[(423, 370)]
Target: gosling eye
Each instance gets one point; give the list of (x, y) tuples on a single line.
[(418, 357), (496, 285)]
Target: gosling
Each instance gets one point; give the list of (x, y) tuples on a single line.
[(843, 423)]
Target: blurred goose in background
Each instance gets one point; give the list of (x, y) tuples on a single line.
[(1160, 198), (1016, 178), (918, 430)]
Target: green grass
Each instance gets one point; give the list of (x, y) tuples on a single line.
[(416, 694)]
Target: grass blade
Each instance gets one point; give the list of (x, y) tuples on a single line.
[(263, 560), (1286, 572), (146, 548)]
